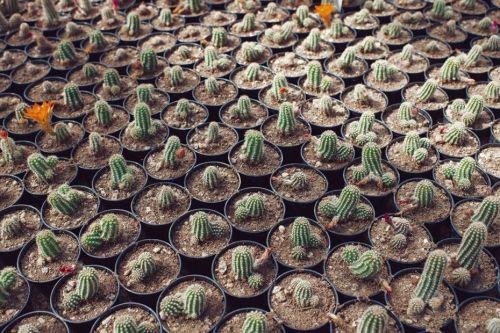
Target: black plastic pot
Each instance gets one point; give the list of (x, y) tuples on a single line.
[(119, 100), (252, 92), (466, 302), (108, 261), (148, 299), (47, 78), (170, 51), (5, 77), (436, 114), (396, 134), (241, 130), (18, 319), (360, 32), (183, 133), (261, 62), (10, 69), (434, 60), (415, 76), (458, 44), (62, 71), (357, 113), (62, 153), (348, 80), (238, 311), (120, 307), (224, 75)]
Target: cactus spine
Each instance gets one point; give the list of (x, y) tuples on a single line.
[(133, 24), (112, 81), (65, 200), (166, 198), (212, 86), (361, 131), (144, 93), (346, 58), (242, 109), (219, 37), (371, 167), (302, 238), (314, 75), (368, 265)]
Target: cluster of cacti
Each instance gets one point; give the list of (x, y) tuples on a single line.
[(298, 181), (183, 109), (122, 176), (363, 16), (127, 324), (315, 79), (286, 119), (11, 227), (42, 167), (492, 92), (361, 131), (47, 245), (279, 87), (242, 267), (455, 133), (471, 58), (66, 200), (406, 112), (337, 28), (252, 51), (8, 279), (87, 287), (401, 228), (492, 44), (392, 30), (89, 71), (50, 15), (143, 125), (347, 205), (215, 61), (383, 70), (472, 110), (72, 96), (313, 41), (303, 293), (65, 51), (143, 267), (371, 168), (303, 17), (368, 44), (375, 5), (192, 303), (426, 291), (211, 177), (149, 60), (441, 11), (415, 147), (461, 175), (364, 265), (252, 72), (11, 153), (202, 229), (133, 25), (242, 110), (212, 86), (303, 238), (102, 232), (253, 146), (328, 148), (281, 34), (488, 210), (62, 132), (346, 58), (112, 81), (467, 256), (373, 320), (426, 91), (252, 205)]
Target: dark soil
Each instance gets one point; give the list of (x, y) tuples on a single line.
[(316, 184)]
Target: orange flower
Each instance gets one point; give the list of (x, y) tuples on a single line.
[(41, 114), (3, 134), (325, 11)]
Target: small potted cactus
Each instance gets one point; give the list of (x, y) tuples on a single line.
[(361, 98), (370, 48), (244, 270), (182, 115), (147, 67), (316, 83), (214, 92), (249, 320), (69, 207), (13, 160), (360, 131), (279, 37), (29, 72), (380, 9), (87, 75), (11, 59), (146, 267), (37, 320), (394, 34), (212, 141), (427, 96), (473, 114), (193, 33), (483, 27), (184, 54), (298, 243), (81, 297), (177, 81), (97, 42), (249, 27), (387, 78), (490, 92), (19, 224), (15, 294), (145, 11), (85, 11), (272, 14), (109, 19), (448, 32), (119, 180), (251, 78), (22, 37), (191, 9), (338, 33), (454, 139), (74, 32), (249, 52), (345, 213), (47, 89), (441, 12), (475, 63), (119, 57), (8, 101), (56, 138), (218, 18), (128, 317), (93, 153), (289, 64), (409, 61), (49, 19), (115, 87), (490, 46), (170, 161), (155, 99), (214, 64), (477, 313), (302, 300), (362, 21), (243, 114), (191, 303), (450, 77), (462, 178), (313, 48), (404, 118), (106, 119), (41, 258), (133, 29), (75, 103), (434, 49), (347, 65), (324, 112), (160, 204), (167, 21), (222, 41), (66, 57), (13, 190)]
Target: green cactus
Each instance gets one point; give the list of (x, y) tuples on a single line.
[(172, 306), (371, 167), (143, 125), (133, 24), (368, 265), (426, 91), (363, 16), (368, 44), (97, 40), (493, 325), (405, 115), (122, 177), (125, 324), (247, 24), (42, 167), (361, 96), (11, 227), (19, 112), (456, 133), (429, 282), (327, 146), (95, 143), (383, 70), (8, 278), (170, 159), (144, 266), (255, 322), (11, 153), (24, 30), (87, 284), (314, 75), (492, 92), (103, 113), (350, 254), (346, 58), (211, 177), (72, 96), (279, 87), (252, 72), (302, 238), (110, 228), (107, 13), (337, 28), (424, 193), (50, 15), (253, 146), (361, 131), (166, 198), (65, 200), (242, 110), (440, 10), (416, 147), (373, 320), (219, 37), (166, 17), (92, 240), (393, 29), (212, 86), (241, 262), (398, 241), (183, 109), (255, 205), (298, 181), (149, 61), (303, 293), (65, 51), (61, 132), (472, 110), (176, 74), (252, 51), (313, 41), (202, 229), (473, 56), (195, 301), (286, 119), (89, 71), (72, 301), (212, 132), (194, 6), (487, 211), (407, 53), (492, 44), (213, 60), (347, 205), (112, 81), (144, 93)]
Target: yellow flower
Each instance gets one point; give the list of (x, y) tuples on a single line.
[(42, 115)]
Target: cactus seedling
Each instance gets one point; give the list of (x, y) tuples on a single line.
[(368, 265), (253, 146), (212, 86), (247, 24), (42, 167), (361, 131), (65, 51), (144, 93), (487, 212), (11, 153), (171, 153), (371, 168), (8, 278), (492, 92), (252, 51), (103, 113), (415, 147), (143, 125), (328, 148), (47, 245), (250, 206), (280, 35), (149, 61), (449, 72), (215, 61), (472, 110), (392, 30), (242, 265), (211, 177), (279, 87), (441, 11), (492, 44), (87, 284), (66, 200), (255, 322), (50, 15), (242, 109), (72, 96), (195, 301), (133, 24), (219, 37), (346, 58), (286, 119), (313, 41), (426, 91), (303, 293), (472, 56), (143, 267), (373, 320), (202, 229), (455, 133), (95, 143), (406, 115), (383, 70), (493, 325), (337, 28), (407, 53), (122, 176), (461, 175), (302, 238), (112, 82), (166, 198)]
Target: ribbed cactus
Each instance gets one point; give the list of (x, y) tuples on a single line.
[(65, 200), (202, 229), (415, 147), (472, 110), (149, 61), (462, 173), (361, 131), (473, 56), (493, 325), (72, 96), (298, 181), (133, 24), (423, 194), (368, 265), (212, 86), (255, 322), (426, 91), (183, 109), (103, 113), (405, 115), (72, 29), (252, 72), (337, 28), (253, 146), (314, 75), (144, 93), (241, 262), (8, 278), (345, 206), (242, 109), (110, 228), (166, 17), (383, 70), (212, 132), (89, 71), (213, 60), (195, 301), (371, 167), (286, 119), (398, 241), (302, 238), (368, 44), (176, 75), (97, 40), (112, 81), (247, 24), (252, 51), (65, 51), (72, 301), (440, 10), (279, 87), (449, 72), (485, 24), (407, 53), (172, 306), (487, 212), (492, 44), (313, 40), (194, 6), (492, 92), (42, 167), (87, 283), (143, 125), (125, 324), (455, 133), (47, 244), (144, 266), (166, 198), (219, 37), (122, 177), (50, 15), (429, 282), (211, 177), (11, 227), (373, 320), (11, 153), (346, 58), (303, 293), (282, 34), (61, 132), (170, 159), (326, 106), (393, 29), (327, 146), (95, 143)]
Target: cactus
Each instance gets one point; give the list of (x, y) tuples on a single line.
[(253, 146), (383, 70), (247, 24), (398, 241), (373, 320), (255, 322), (492, 92), (72, 29), (347, 205), (28, 328), (72, 301), (103, 113), (472, 110), (255, 205), (42, 167), (4, 25), (286, 119), (110, 228), (485, 24), (166, 17), (212, 132), (195, 301), (87, 284), (65, 200), (368, 265), (279, 87), (143, 125), (11, 227), (241, 263), (194, 6), (426, 91), (346, 58), (144, 93), (89, 71), (166, 198), (468, 3), (493, 325), (363, 16), (8, 278), (172, 306), (24, 30), (95, 143), (170, 159), (133, 24), (252, 72), (202, 229), (50, 15), (61, 131), (392, 30), (112, 81), (72, 96), (143, 266), (252, 51), (487, 211), (368, 44), (212, 86), (327, 145), (424, 193), (326, 105), (314, 75), (455, 133), (149, 61), (11, 153), (122, 177), (213, 60), (176, 74), (302, 238), (211, 177), (282, 35), (65, 51), (371, 167), (405, 115), (429, 282), (313, 40), (492, 44), (97, 40), (124, 324), (303, 293), (407, 53), (107, 14), (337, 28), (243, 108), (361, 131), (473, 56), (219, 37), (183, 109), (298, 181), (416, 147), (361, 96), (440, 10), (303, 18)]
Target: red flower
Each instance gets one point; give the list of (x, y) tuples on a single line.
[(282, 90), (387, 218), (180, 153), (3, 134), (67, 268)]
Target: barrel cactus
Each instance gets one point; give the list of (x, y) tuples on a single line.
[(415, 147), (42, 167), (202, 229)]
